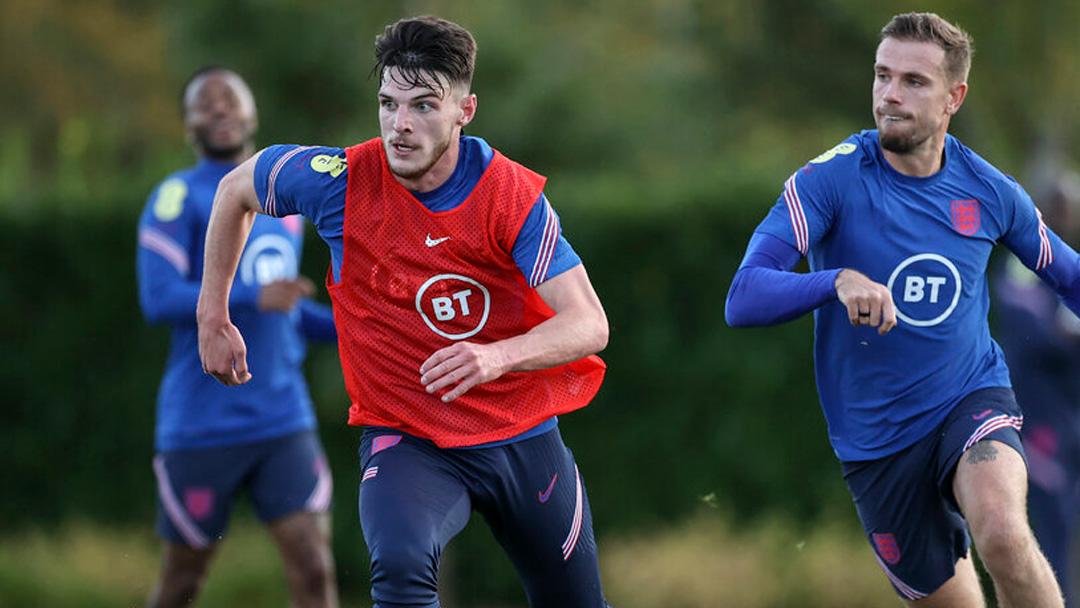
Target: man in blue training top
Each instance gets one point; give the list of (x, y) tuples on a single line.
[(213, 441), (898, 224), (1041, 341)]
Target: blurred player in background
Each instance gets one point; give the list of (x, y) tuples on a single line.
[(898, 224), (467, 324), (213, 441), (1041, 340)]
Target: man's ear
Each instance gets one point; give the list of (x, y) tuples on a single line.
[(468, 109), (957, 94)]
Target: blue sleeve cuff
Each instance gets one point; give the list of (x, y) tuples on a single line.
[(766, 292), (317, 321)]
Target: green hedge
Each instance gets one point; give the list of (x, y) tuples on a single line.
[(692, 411)]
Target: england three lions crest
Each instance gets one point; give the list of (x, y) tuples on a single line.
[(887, 547), (965, 216)]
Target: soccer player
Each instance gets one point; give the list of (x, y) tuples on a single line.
[(1041, 340), (213, 441), (466, 325), (897, 224)]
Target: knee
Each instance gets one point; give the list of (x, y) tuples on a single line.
[(316, 576), (1001, 539), (178, 588), (404, 573)]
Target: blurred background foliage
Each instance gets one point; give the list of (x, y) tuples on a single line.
[(667, 128)]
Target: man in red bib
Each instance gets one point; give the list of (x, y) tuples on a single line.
[(466, 325)]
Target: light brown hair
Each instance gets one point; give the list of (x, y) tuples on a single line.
[(929, 27)]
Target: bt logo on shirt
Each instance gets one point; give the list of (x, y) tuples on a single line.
[(268, 258), (926, 289)]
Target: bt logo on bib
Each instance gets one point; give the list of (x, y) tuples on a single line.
[(925, 289), (453, 306)]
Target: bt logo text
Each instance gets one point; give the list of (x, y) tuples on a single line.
[(915, 288), (444, 307)]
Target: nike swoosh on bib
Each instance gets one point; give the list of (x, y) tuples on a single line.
[(430, 242)]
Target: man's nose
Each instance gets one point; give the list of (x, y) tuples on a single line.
[(891, 92), (402, 122)]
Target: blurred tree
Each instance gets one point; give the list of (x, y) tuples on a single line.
[(86, 96)]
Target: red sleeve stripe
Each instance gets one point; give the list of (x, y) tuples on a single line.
[(798, 218), (271, 182), (547, 247), (163, 245), (1046, 253)]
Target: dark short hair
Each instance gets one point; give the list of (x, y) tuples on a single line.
[(421, 47), (929, 27), (197, 74)]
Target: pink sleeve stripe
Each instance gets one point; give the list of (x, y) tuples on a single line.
[(545, 237), (994, 424), (271, 181), (1046, 252), (798, 218), (547, 247), (164, 245), (193, 536), (575, 526)]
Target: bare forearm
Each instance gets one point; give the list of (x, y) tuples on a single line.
[(230, 223), (578, 328), (566, 337)]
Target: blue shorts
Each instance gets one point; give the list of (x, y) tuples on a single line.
[(415, 497), (906, 502), (196, 487)]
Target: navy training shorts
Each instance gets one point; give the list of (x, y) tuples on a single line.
[(196, 488), (906, 501), (415, 497)]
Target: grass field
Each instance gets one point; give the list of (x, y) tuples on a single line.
[(702, 562)]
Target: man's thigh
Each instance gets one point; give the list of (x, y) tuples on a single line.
[(412, 502), (984, 418), (290, 476), (196, 490), (540, 515), (917, 536)]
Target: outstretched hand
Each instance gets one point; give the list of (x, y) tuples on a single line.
[(223, 353), (868, 303), (464, 364)]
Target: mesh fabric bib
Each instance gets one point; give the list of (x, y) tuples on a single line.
[(415, 281)]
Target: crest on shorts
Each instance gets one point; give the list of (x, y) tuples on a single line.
[(199, 502), (885, 543), (965, 216)]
